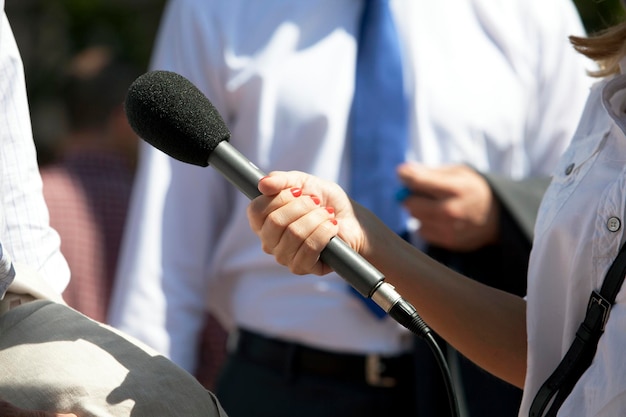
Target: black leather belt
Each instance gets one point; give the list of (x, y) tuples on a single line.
[(294, 359)]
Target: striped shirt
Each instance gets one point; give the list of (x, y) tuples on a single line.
[(25, 232)]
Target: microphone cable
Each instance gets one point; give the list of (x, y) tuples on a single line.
[(405, 314)]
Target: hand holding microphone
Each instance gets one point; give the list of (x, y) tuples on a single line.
[(298, 216), (169, 112)]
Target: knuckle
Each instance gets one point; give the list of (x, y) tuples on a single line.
[(451, 211), (294, 232), (273, 218), (266, 249), (282, 259), (310, 246)]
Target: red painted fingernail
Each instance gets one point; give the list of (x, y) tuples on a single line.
[(315, 200), (333, 221), (330, 210), (297, 192)]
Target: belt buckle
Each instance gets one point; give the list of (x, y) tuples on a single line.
[(374, 368)]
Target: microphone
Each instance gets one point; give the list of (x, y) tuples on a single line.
[(173, 115)]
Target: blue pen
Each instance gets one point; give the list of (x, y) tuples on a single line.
[(402, 194)]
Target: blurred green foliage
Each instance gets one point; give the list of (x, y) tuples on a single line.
[(599, 14)]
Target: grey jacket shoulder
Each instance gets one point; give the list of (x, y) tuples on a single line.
[(520, 198)]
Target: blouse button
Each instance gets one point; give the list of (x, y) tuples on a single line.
[(569, 168), (613, 224)]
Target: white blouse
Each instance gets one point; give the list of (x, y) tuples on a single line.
[(578, 233)]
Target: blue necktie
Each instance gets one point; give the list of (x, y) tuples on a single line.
[(379, 120)]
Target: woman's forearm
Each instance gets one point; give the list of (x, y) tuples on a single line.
[(486, 325)]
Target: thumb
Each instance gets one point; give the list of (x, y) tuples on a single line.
[(276, 181), (273, 183)]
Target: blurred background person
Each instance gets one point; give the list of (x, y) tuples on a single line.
[(494, 86), (558, 342), (87, 187)]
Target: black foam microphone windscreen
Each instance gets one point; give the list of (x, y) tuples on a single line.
[(169, 112)]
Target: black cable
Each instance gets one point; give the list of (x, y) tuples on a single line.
[(445, 371), (405, 314)]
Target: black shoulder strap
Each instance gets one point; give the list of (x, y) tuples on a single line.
[(580, 354)]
